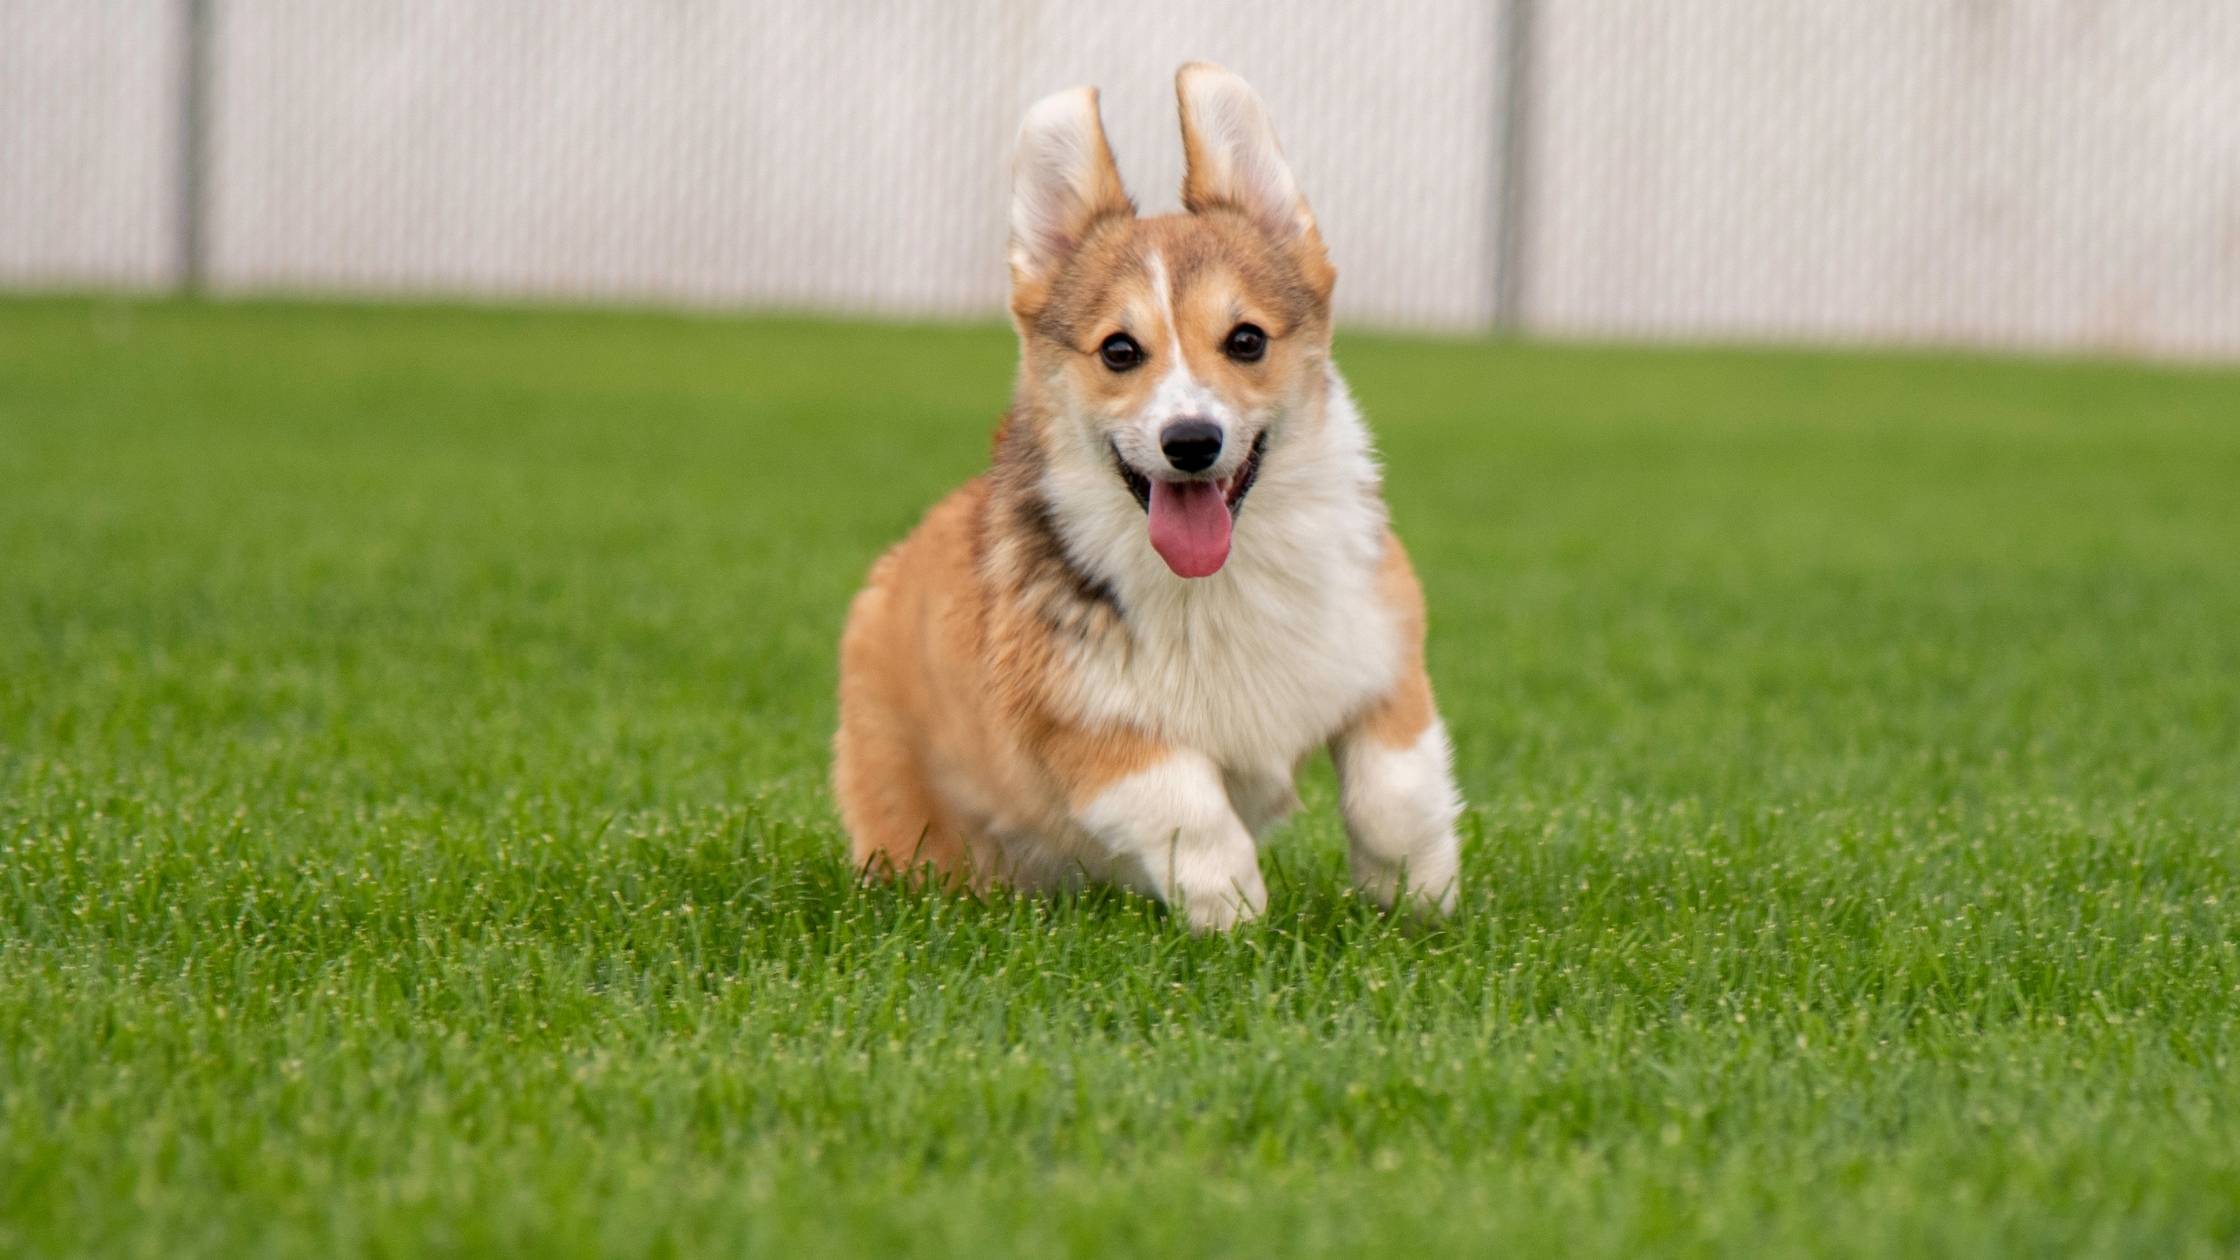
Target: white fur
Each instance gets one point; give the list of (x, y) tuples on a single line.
[(1178, 395), (1053, 175), (1400, 806), (1262, 797), (1244, 672), (1240, 153), (1261, 662), (1171, 832)]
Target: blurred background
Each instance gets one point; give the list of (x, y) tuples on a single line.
[(2049, 175)]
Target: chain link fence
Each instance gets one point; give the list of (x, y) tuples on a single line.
[(2046, 174)]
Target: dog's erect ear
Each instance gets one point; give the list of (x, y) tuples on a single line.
[(1230, 153), (1062, 181), (1231, 161)]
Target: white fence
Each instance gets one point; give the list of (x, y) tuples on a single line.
[(2032, 173)]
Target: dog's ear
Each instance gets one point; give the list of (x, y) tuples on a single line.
[(1063, 181), (1231, 159)]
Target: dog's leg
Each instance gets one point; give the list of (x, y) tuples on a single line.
[(1396, 788), (1395, 777), (1171, 832)]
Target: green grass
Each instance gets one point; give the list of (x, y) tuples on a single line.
[(413, 834)]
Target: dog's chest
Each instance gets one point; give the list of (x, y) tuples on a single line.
[(1254, 671)]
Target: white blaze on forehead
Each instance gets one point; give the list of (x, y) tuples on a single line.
[(1179, 393), (1155, 267)]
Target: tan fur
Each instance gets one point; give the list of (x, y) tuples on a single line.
[(1403, 714), (958, 734), (1208, 186), (945, 669), (941, 670), (1104, 198)]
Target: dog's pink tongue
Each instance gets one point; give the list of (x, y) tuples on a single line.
[(1190, 526)]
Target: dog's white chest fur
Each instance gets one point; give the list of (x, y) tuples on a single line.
[(1258, 664)]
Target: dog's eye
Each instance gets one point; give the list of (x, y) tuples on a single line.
[(1120, 352), (1246, 343)]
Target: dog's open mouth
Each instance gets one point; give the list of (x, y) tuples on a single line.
[(1190, 521)]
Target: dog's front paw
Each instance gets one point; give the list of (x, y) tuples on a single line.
[(1218, 907), (1388, 884)]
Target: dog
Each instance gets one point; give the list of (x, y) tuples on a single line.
[(1104, 659)]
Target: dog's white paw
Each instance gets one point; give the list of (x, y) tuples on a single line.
[(1389, 884), (1218, 907)]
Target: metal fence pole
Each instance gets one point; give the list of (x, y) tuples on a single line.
[(194, 146), (1512, 174)]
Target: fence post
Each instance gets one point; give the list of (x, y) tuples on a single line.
[(1512, 162), (194, 146)]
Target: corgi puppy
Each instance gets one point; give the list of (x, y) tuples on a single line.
[(1105, 658)]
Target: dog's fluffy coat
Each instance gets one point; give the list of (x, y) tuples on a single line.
[(1029, 693)]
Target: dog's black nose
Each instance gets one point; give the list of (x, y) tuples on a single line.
[(1191, 445)]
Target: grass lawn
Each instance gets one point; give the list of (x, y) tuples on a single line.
[(414, 840)]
